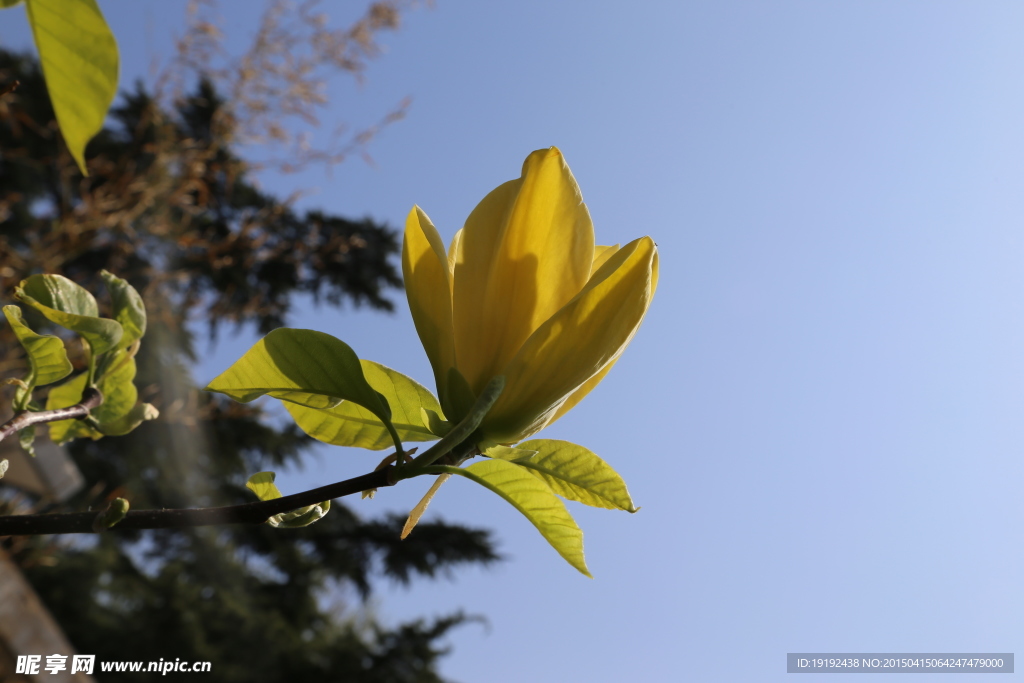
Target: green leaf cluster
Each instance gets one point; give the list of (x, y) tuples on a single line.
[(111, 344), (81, 63), (342, 400)]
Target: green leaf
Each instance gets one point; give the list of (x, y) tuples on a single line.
[(127, 423), (118, 389), (115, 511), (301, 517), (80, 62), (47, 360), (571, 471), (349, 424), (119, 397), (129, 310), (72, 307), (262, 484), (532, 497), (63, 396), (306, 367)]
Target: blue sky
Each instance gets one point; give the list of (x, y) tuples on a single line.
[(821, 415)]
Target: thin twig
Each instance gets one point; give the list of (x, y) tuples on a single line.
[(91, 398), (249, 513)]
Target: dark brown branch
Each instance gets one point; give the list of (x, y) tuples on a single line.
[(250, 513), (91, 398), (10, 88)]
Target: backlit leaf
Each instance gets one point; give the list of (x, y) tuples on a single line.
[(128, 422), (350, 424), (119, 397), (262, 484), (72, 307), (571, 471), (47, 359), (306, 367), (129, 310), (532, 497), (80, 62), (63, 396)]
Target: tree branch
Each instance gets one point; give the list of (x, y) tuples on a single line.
[(91, 398), (249, 513)]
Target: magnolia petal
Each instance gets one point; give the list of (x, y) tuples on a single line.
[(428, 288), (601, 256), (525, 252), (576, 344), (580, 393), (453, 251)]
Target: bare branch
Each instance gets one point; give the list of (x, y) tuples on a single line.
[(91, 398), (249, 513)]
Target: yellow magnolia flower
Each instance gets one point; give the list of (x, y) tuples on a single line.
[(524, 292)]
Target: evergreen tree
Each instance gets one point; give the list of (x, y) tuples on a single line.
[(170, 206)]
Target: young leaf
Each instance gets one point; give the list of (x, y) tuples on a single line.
[(262, 484), (63, 396), (80, 62), (117, 385), (47, 360), (126, 423), (349, 424), (129, 310), (27, 439), (571, 471), (119, 397), (72, 307), (305, 367), (115, 511), (532, 497), (301, 517)]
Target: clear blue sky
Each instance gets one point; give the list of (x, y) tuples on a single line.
[(821, 415)]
